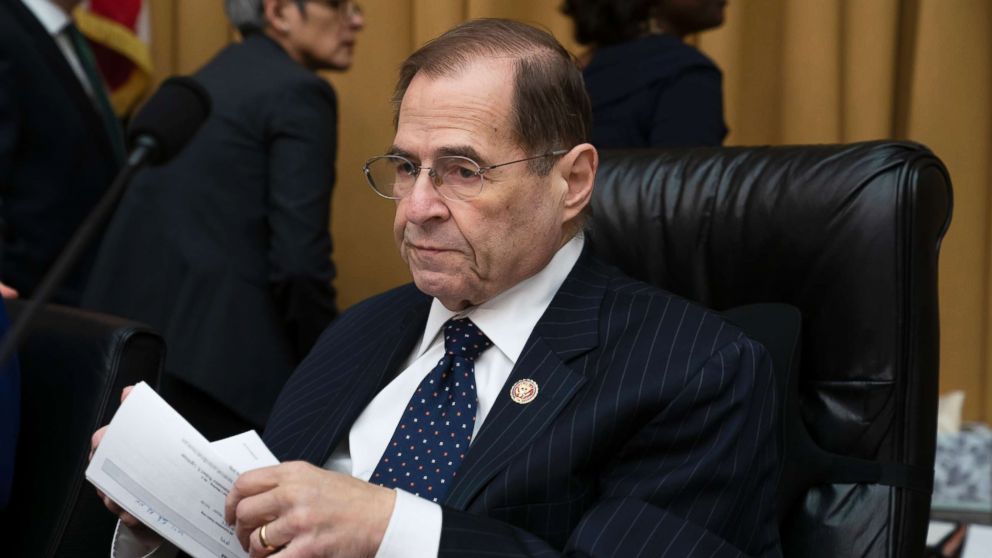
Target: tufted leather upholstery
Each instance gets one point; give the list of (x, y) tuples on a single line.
[(73, 367), (849, 234)]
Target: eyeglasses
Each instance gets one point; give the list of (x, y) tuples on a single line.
[(453, 176), (347, 8)]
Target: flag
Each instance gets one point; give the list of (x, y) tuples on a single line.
[(117, 31)]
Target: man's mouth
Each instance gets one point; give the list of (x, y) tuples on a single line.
[(425, 248)]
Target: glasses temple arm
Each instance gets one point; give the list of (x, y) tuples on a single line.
[(554, 153)]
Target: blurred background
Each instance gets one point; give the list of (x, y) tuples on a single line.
[(795, 72)]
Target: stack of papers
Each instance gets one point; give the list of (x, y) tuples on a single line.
[(156, 466)]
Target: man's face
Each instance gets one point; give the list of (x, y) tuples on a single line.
[(465, 252), (323, 38)]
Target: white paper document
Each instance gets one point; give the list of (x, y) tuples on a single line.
[(156, 466), (978, 543), (938, 530)]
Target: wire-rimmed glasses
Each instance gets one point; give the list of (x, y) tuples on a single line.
[(453, 176), (348, 8)]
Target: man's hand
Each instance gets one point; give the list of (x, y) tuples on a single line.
[(144, 534), (309, 511), (8, 292)]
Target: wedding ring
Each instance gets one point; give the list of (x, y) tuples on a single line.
[(262, 539)]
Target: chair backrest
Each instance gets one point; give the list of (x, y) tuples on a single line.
[(848, 234), (73, 366)]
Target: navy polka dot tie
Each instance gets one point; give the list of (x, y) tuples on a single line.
[(434, 432)]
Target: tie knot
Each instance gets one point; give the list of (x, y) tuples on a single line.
[(463, 339)]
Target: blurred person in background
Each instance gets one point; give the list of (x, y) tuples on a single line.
[(60, 143), (10, 410), (226, 250), (648, 87)]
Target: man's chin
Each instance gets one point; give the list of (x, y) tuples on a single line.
[(450, 291), (433, 283)]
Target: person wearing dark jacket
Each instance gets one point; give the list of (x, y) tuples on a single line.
[(10, 410), (226, 249), (60, 143), (648, 87)]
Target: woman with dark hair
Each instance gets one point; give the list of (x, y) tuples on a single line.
[(648, 87)]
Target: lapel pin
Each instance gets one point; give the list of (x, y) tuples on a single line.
[(524, 391)]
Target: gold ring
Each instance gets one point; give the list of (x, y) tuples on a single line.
[(262, 539)]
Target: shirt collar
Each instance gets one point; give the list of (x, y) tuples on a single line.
[(509, 317), (51, 17)]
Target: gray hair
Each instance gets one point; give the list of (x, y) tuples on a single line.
[(550, 108), (246, 15)]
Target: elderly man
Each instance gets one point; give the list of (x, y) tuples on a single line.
[(520, 398)]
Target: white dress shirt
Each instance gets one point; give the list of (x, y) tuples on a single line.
[(414, 529), (55, 21)]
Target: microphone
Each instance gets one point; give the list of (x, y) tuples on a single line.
[(159, 131), (167, 121)]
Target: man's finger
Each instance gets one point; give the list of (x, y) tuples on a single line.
[(8, 292), (125, 392), (276, 534), (249, 484), (129, 520), (112, 506), (95, 440), (255, 511)]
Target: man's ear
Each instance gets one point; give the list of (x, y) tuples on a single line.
[(578, 170), (275, 15)]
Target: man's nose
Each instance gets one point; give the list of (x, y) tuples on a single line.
[(357, 20), (424, 202)]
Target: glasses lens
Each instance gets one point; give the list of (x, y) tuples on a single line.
[(460, 177), (391, 176), (346, 8)]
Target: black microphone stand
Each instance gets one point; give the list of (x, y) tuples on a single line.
[(144, 147)]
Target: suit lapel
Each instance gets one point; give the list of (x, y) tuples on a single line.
[(567, 330), (349, 396)]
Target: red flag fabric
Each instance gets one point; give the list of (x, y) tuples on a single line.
[(122, 54)]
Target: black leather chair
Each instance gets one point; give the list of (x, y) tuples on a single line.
[(848, 234), (73, 367)]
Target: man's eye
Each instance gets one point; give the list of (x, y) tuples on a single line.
[(456, 173), (406, 167), (465, 173)]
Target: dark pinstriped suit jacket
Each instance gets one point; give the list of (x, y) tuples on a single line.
[(652, 434)]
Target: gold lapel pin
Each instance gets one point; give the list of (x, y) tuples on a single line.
[(524, 391)]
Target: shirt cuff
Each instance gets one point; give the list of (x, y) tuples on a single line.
[(414, 529), (127, 545)]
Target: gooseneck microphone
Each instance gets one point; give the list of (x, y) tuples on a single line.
[(156, 134), (167, 121)]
